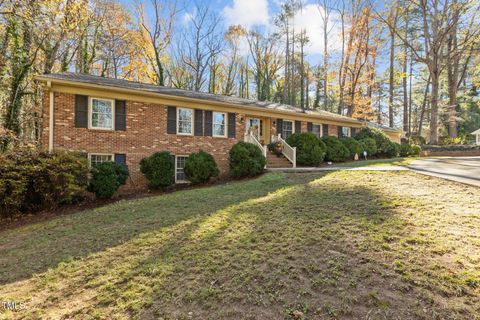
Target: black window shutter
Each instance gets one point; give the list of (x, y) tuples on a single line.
[(353, 131), (172, 120), (279, 126), (324, 130), (198, 127), (207, 130), (81, 111), (309, 126), (120, 115), (340, 134), (121, 158), (231, 125), (298, 126)]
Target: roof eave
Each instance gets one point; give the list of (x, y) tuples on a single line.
[(46, 79)]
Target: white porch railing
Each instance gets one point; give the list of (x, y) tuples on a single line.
[(288, 151), (249, 137)]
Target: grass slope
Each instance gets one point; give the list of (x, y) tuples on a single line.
[(377, 245)]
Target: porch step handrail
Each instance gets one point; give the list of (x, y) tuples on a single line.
[(288, 151), (249, 137)]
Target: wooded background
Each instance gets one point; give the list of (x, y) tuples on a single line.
[(410, 64)]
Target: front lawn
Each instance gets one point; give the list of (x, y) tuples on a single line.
[(377, 162), (345, 244)]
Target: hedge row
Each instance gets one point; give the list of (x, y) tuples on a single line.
[(311, 151), (31, 181)]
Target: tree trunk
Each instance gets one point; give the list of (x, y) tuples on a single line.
[(391, 79), (434, 106)]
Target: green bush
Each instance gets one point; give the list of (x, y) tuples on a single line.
[(391, 149), (246, 160), (416, 149), (353, 146), (336, 151), (31, 181), (106, 178), (416, 139), (369, 145), (159, 169), (409, 150), (384, 144), (405, 149), (310, 149), (200, 167)]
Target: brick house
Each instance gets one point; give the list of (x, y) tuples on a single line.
[(125, 121)]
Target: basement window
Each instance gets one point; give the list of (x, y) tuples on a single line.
[(97, 158), (180, 169)]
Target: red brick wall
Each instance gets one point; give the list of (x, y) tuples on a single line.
[(332, 130), (146, 133)]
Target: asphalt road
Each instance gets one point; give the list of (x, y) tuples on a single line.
[(460, 169)]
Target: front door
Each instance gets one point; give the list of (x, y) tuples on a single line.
[(254, 126)]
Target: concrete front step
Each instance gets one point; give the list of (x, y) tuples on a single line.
[(274, 161)]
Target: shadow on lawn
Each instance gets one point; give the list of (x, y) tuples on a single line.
[(38, 247), (318, 246)]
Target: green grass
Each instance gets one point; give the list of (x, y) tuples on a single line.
[(345, 244), (378, 162)]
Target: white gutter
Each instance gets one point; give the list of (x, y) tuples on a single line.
[(50, 118)]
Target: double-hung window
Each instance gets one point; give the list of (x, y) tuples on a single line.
[(97, 158), (317, 130), (345, 132), (180, 168), (101, 114), (219, 120), (287, 129), (184, 121)]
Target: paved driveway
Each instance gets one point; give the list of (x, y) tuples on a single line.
[(461, 169)]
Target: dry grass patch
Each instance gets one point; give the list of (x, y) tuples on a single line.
[(350, 245)]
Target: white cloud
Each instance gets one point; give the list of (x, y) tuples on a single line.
[(310, 19), (247, 13)]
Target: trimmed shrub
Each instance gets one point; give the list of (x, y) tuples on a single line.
[(246, 160), (416, 139), (159, 169), (336, 151), (353, 146), (31, 181), (106, 178), (200, 167), (416, 149), (405, 150), (369, 145), (310, 149), (391, 149), (384, 144), (409, 150)]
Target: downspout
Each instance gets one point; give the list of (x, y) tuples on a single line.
[(50, 118)]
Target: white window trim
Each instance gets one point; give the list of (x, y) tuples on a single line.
[(179, 181), (349, 131), (193, 122), (293, 126), (90, 110), (213, 125), (98, 154), (321, 128)]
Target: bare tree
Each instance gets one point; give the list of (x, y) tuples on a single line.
[(200, 44), (325, 9), (159, 32), (438, 19)]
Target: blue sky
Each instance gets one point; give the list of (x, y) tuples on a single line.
[(260, 14)]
